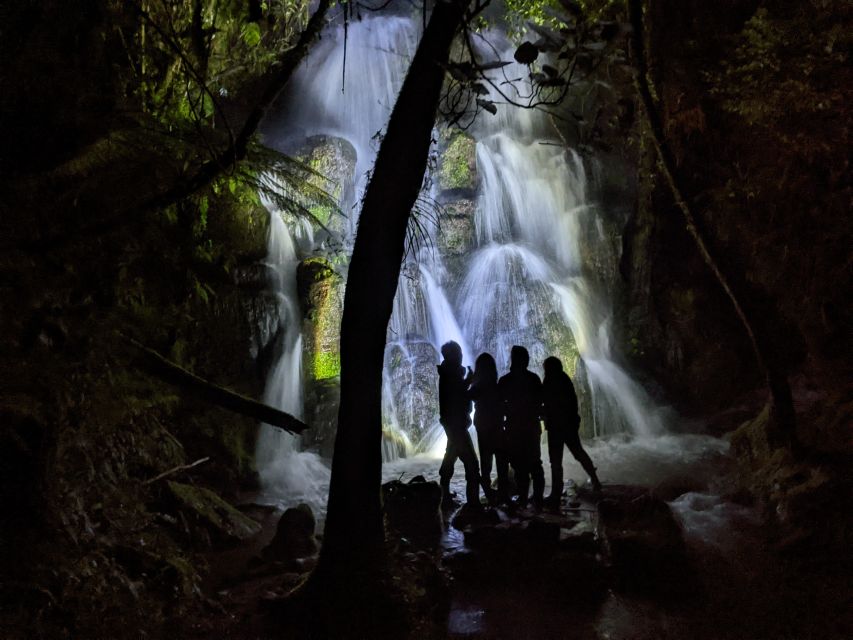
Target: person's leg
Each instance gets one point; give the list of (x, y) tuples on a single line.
[(465, 450), (555, 457), (502, 467), (445, 472), (573, 441), (486, 452), (518, 460), (536, 472)]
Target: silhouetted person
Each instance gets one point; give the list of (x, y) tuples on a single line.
[(563, 423), (521, 392), (489, 421), (454, 414)]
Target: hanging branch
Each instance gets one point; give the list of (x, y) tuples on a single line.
[(777, 381)]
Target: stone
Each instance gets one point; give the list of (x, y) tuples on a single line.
[(645, 542), (412, 509), (458, 163), (321, 296), (456, 228), (225, 521), (294, 536), (333, 160)]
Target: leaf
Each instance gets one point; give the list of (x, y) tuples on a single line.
[(251, 34), (552, 82), (526, 53), (594, 46), (549, 70), (488, 105), (479, 89)]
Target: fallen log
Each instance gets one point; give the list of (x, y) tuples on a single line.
[(203, 390)]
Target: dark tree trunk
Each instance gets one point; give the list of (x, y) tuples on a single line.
[(777, 380), (354, 530)]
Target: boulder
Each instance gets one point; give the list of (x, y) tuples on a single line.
[(212, 512), (645, 542), (294, 536), (412, 509)]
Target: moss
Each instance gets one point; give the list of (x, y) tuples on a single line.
[(327, 365), (214, 511), (457, 164)]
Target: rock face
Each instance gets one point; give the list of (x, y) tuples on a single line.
[(333, 160), (321, 297), (458, 167)]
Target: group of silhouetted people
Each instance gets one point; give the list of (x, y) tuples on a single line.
[(507, 418)]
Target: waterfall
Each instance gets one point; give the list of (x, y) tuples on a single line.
[(523, 277), (285, 470)]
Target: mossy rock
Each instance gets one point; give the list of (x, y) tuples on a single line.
[(456, 230), (215, 512), (458, 167), (321, 294), (334, 160)]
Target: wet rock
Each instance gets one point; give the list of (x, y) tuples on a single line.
[(645, 543), (412, 380), (294, 536), (333, 160), (469, 518), (671, 488), (456, 228), (207, 508), (322, 398), (412, 509), (458, 165)]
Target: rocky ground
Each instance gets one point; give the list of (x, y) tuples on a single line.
[(619, 565)]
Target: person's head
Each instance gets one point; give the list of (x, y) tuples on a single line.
[(518, 358), (452, 353), (552, 366), (485, 368)]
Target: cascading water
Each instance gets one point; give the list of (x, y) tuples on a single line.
[(284, 469), (523, 278)]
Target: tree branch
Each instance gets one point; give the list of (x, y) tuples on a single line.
[(174, 374)]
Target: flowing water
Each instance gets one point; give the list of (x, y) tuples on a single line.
[(524, 277)]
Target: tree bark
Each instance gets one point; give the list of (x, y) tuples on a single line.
[(782, 405), (354, 529), (174, 374)]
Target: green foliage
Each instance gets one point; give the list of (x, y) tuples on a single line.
[(781, 74)]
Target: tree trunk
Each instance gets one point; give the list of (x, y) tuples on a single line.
[(354, 529), (777, 381)]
